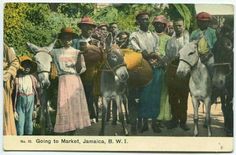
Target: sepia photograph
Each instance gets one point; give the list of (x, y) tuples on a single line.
[(118, 77)]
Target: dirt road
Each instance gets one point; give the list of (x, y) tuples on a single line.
[(216, 124)]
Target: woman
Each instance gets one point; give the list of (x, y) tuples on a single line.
[(10, 67), (72, 110)]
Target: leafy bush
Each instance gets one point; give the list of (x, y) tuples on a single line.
[(40, 23)]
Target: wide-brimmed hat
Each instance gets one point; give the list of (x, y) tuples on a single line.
[(141, 14), (67, 31), (203, 16), (160, 19), (103, 24), (27, 59), (86, 20)]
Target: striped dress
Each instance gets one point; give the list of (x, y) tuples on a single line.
[(72, 110)]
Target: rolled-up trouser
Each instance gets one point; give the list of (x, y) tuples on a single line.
[(24, 108), (209, 62)]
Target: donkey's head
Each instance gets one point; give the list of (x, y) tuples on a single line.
[(43, 60), (188, 59), (115, 62)]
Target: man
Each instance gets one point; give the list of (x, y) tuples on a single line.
[(10, 67), (177, 88), (206, 37), (160, 25), (87, 27), (101, 33), (123, 39), (146, 42), (170, 29), (113, 28)]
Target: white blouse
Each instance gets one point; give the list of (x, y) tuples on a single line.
[(66, 59)]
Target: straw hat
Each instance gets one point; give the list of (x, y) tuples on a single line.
[(141, 14), (86, 20), (27, 59), (161, 19), (66, 31)]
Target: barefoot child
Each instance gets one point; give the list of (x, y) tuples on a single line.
[(25, 93)]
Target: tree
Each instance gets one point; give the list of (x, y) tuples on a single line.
[(31, 22), (186, 11)]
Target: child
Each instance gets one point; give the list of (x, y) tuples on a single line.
[(25, 92)]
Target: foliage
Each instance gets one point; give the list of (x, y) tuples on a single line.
[(186, 11), (75, 10), (40, 23), (31, 22), (14, 19)]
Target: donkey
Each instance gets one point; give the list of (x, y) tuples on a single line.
[(223, 76), (43, 60), (114, 75), (199, 83)]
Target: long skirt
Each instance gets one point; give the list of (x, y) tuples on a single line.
[(72, 110), (9, 127), (165, 113), (150, 97)]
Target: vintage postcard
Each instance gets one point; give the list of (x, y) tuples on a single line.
[(118, 77)]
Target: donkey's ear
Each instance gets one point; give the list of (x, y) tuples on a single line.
[(108, 42), (50, 47), (34, 48)]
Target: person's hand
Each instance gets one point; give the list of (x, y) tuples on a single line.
[(155, 55), (153, 61), (94, 42), (16, 116), (34, 115), (6, 76)]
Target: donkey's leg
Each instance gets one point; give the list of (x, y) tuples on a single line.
[(104, 115), (121, 115), (229, 116), (207, 102), (223, 108), (42, 110), (125, 102), (108, 111), (42, 119), (195, 108), (96, 107), (47, 113), (114, 112), (48, 116)]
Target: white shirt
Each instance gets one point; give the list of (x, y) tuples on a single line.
[(141, 41), (25, 85), (174, 45)]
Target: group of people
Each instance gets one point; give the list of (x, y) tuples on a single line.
[(159, 100)]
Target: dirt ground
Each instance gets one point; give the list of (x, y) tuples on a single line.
[(216, 124)]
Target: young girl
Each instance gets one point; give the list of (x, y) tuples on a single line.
[(25, 93), (72, 110)]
